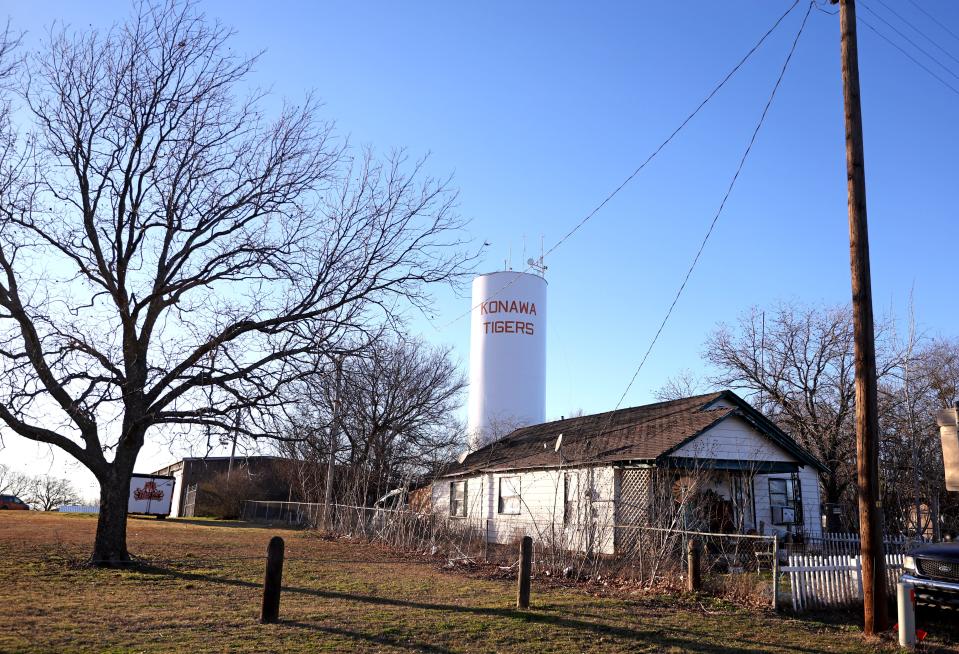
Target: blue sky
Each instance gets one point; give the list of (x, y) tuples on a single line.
[(540, 109)]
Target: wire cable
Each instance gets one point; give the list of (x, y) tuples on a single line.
[(646, 162), (907, 55), (909, 40), (918, 31), (902, 50), (935, 20), (719, 212)]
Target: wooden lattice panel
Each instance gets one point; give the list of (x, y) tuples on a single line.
[(634, 497)]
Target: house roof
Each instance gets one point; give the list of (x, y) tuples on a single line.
[(642, 434), (216, 459)]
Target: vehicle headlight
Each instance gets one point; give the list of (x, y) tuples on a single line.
[(909, 563)]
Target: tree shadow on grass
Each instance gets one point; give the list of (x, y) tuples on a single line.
[(670, 636), (233, 524), (371, 638)]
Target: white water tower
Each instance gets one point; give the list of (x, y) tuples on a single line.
[(507, 355)]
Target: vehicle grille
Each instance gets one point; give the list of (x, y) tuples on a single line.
[(945, 570)]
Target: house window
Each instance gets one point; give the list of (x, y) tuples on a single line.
[(785, 501), (458, 499), (509, 495)]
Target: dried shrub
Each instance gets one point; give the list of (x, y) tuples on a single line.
[(745, 589)]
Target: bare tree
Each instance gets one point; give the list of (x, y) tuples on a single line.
[(685, 383), (938, 365), (48, 493), (797, 364), (169, 258), (397, 405), (14, 483), (913, 478)]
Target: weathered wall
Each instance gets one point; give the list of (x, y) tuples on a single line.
[(735, 439), (541, 507)]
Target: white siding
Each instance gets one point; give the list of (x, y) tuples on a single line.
[(734, 439), (811, 501), (541, 506)]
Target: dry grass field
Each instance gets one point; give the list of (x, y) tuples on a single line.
[(200, 592)]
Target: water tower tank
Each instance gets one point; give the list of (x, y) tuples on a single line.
[(507, 355)]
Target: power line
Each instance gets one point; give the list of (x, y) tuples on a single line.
[(825, 11), (910, 41), (719, 211), (675, 132), (917, 30), (935, 20), (648, 159), (909, 56)]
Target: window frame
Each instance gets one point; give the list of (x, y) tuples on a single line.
[(501, 506), (458, 506), (789, 497)]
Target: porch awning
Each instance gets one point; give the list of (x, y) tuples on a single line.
[(730, 465)]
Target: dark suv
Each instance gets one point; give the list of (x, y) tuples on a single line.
[(934, 571), (13, 502)]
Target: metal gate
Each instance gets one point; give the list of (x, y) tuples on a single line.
[(189, 502)]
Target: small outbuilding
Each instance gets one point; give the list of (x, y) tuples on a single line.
[(213, 485), (705, 463)]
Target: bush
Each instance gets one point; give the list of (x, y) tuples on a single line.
[(223, 495)]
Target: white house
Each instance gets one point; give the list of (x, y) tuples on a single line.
[(586, 480)]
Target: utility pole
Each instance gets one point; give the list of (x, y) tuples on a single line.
[(875, 600), (327, 515)]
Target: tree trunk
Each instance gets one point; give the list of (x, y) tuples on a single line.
[(833, 500), (110, 546)]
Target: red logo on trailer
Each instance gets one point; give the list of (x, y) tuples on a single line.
[(148, 492)]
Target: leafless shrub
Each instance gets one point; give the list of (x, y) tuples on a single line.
[(222, 496), (745, 589)]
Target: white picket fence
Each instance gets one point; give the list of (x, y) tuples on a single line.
[(822, 582), (840, 542)]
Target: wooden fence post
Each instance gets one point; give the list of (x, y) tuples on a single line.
[(525, 571), (693, 578), (775, 572), (272, 580), (486, 542)]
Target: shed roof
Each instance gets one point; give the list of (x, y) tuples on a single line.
[(642, 434)]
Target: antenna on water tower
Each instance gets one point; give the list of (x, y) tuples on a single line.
[(539, 265)]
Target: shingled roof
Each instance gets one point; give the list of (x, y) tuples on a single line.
[(642, 434)]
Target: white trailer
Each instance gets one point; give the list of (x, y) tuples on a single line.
[(151, 495)]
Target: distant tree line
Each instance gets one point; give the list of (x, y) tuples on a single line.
[(42, 492)]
